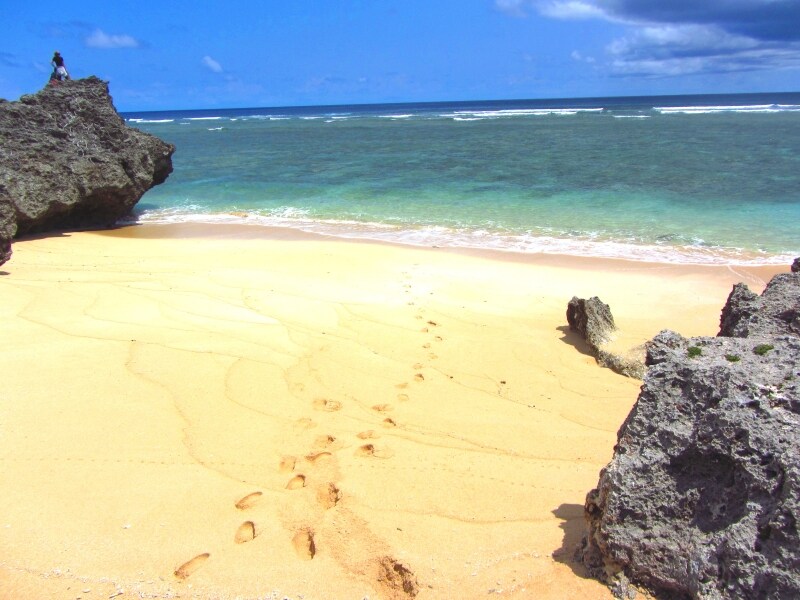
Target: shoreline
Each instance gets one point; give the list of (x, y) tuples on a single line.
[(757, 274), (527, 244), (281, 412)]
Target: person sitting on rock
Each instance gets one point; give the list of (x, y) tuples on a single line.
[(60, 70)]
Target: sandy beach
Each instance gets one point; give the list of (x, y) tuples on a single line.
[(195, 411)]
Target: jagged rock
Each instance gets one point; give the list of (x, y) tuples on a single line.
[(592, 320), (702, 496), (776, 311), (630, 366), (69, 161), (796, 265)]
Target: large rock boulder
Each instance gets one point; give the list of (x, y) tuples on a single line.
[(68, 160), (702, 496)]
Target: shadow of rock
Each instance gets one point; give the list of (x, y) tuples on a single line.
[(575, 340), (592, 322), (574, 527)]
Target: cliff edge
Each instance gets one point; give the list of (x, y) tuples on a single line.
[(69, 161), (702, 496)]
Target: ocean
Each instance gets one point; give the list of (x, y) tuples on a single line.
[(679, 179)]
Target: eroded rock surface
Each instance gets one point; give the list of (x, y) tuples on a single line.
[(68, 160), (702, 496), (593, 321)]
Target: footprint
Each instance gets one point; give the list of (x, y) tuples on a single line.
[(328, 495), (369, 434), (402, 397), (303, 542), (397, 578), (369, 450), (318, 457), (303, 424), (245, 533), (287, 464), (327, 405), (249, 501), (401, 386), (432, 356), (426, 346), (387, 422), (382, 407), (296, 482), (324, 441), (417, 366), (434, 323), (419, 377), (438, 338), (191, 566)]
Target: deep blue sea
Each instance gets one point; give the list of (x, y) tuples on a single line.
[(687, 179)]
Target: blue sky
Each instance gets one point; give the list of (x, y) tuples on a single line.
[(178, 54)]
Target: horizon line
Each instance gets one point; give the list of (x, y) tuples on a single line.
[(473, 101)]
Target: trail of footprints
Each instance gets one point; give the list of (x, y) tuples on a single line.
[(327, 495)]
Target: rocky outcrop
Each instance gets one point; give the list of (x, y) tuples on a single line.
[(69, 161), (593, 321), (774, 312), (702, 496)]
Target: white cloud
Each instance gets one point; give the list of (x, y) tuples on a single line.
[(690, 49), (570, 9), (100, 39), (515, 8), (211, 64), (683, 37), (576, 55)]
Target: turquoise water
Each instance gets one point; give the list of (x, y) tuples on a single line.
[(692, 179)]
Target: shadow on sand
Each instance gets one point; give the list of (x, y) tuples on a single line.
[(574, 528), (575, 340)]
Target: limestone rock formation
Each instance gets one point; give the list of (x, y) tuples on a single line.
[(592, 320), (702, 496), (776, 311), (68, 161)]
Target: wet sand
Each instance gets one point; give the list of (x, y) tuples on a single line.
[(234, 412)]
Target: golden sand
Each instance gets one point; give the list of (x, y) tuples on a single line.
[(234, 412)]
